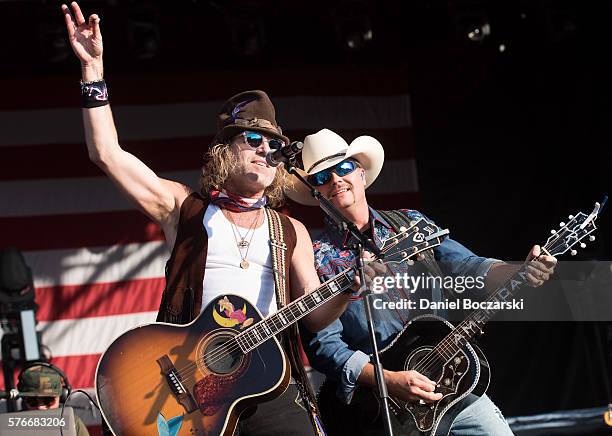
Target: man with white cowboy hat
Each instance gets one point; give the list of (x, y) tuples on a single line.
[(325, 149), (342, 173)]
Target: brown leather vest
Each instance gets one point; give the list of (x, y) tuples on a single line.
[(182, 298)]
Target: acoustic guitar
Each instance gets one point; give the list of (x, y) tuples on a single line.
[(196, 379), (445, 354)]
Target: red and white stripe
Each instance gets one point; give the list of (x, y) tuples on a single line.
[(98, 263)]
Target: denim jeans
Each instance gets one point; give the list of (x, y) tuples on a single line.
[(481, 418)]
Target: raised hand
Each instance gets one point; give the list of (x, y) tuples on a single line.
[(86, 40)]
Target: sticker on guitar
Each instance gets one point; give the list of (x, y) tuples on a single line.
[(232, 316)]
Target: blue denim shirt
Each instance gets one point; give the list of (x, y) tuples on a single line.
[(341, 350)]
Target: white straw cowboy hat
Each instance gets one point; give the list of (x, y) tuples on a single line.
[(325, 149)]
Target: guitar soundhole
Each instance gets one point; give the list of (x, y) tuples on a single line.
[(222, 355)]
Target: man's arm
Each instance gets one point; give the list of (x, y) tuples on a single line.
[(537, 271), (406, 385), (304, 279), (456, 260), (158, 198), (329, 354)]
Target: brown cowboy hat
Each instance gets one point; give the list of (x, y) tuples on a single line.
[(248, 110)]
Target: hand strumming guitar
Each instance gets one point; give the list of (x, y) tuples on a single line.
[(404, 385), (411, 386)]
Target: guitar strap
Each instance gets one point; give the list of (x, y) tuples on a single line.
[(278, 249)]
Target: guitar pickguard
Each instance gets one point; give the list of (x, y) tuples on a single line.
[(455, 379), (448, 380)]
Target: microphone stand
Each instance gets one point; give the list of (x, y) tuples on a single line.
[(342, 224)]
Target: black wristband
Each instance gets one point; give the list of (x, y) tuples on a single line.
[(94, 93)]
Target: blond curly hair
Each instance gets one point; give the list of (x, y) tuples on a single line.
[(220, 163)]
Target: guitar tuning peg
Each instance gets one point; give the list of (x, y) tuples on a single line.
[(561, 224), (573, 252), (403, 229), (553, 232), (591, 238), (571, 217), (410, 262), (582, 245)]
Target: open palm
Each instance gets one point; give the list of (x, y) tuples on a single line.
[(85, 37)]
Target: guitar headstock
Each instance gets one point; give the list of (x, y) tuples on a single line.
[(408, 242), (577, 228)]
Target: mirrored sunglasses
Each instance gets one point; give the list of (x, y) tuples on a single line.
[(324, 176), (255, 140)]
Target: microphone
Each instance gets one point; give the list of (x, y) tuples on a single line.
[(9, 395), (284, 154)]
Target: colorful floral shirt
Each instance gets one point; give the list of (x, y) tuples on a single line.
[(341, 350)]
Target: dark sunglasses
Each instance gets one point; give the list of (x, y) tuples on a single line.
[(255, 140), (39, 401), (324, 176)]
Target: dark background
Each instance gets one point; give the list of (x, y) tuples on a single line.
[(511, 131)]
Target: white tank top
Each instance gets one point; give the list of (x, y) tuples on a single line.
[(223, 273)]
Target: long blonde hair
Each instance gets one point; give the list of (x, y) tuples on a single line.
[(220, 163)]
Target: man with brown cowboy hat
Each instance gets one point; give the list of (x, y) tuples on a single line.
[(236, 185), (342, 173)]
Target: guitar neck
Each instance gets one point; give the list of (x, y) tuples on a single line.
[(579, 227), (474, 323), (294, 311)]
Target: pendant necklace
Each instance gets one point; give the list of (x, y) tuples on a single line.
[(241, 241)]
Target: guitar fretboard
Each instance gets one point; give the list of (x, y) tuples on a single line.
[(475, 321), (270, 326)]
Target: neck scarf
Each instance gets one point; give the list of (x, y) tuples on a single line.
[(235, 203)]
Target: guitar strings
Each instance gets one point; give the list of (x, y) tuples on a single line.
[(427, 365), (549, 247), (144, 382), (223, 352), (446, 347), (220, 353), (216, 355), (430, 361)]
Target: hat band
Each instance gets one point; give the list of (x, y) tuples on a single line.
[(324, 159), (257, 122)]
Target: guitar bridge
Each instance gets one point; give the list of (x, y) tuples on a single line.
[(173, 379)]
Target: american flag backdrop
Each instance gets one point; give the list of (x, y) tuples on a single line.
[(98, 263)]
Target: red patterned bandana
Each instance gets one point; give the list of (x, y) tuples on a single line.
[(236, 203)]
